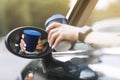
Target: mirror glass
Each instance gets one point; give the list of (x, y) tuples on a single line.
[(20, 42)]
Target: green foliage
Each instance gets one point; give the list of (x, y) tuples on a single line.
[(16, 13)]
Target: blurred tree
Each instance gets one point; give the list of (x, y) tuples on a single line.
[(43, 9), (3, 26), (16, 13)]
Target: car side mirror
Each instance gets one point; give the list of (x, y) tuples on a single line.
[(14, 37)]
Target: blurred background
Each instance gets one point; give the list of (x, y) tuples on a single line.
[(16, 13)]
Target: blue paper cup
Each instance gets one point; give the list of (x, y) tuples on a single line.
[(31, 39)]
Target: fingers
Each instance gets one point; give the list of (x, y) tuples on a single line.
[(22, 45), (23, 36), (57, 41), (39, 46), (52, 26), (54, 34), (53, 37)]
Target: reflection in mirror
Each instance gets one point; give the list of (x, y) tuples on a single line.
[(39, 48), (25, 45)]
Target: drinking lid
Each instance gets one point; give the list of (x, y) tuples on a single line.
[(32, 32)]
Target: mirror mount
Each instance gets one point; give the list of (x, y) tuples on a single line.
[(49, 63)]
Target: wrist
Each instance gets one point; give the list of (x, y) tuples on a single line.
[(83, 32)]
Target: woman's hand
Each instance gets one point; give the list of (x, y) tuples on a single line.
[(23, 45), (59, 32)]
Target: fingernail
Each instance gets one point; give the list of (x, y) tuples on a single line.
[(46, 29), (24, 48), (25, 45), (52, 47)]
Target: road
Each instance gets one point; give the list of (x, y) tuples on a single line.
[(10, 65)]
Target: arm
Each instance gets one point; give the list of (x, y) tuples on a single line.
[(59, 32), (100, 39)]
